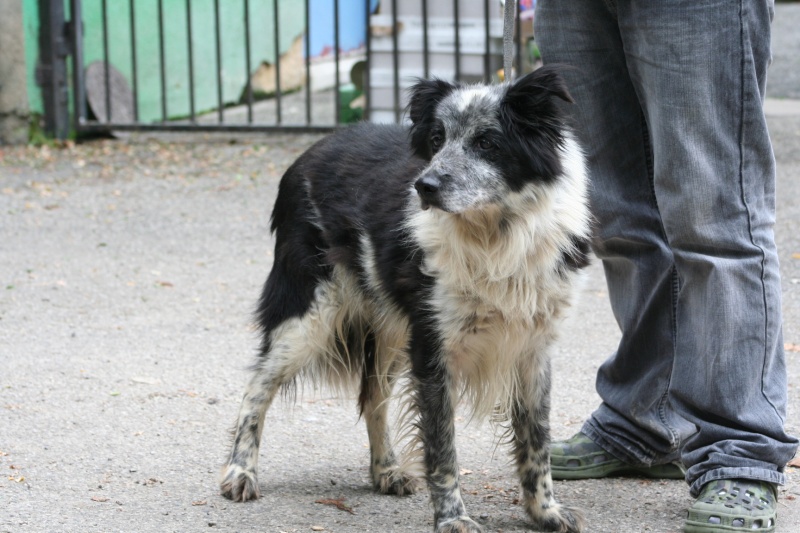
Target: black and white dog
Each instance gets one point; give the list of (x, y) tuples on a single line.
[(447, 253)]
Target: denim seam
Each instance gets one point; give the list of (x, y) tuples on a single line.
[(742, 121), (648, 154), (674, 443)]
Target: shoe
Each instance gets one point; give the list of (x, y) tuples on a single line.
[(580, 458), (734, 505)]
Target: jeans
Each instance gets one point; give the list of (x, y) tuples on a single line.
[(669, 99)]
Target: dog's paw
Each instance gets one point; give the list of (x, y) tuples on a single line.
[(462, 525), (396, 482), (560, 519), (239, 484)]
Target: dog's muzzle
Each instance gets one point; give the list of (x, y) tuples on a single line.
[(429, 187)]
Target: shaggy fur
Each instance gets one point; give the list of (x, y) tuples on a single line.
[(447, 253)]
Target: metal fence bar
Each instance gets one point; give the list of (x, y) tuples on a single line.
[(51, 70), (487, 60), (518, 40), (337, 93), (426, 64), (190, 51), (162, 60), (307, 59), (217, 38), (78, 79), (457, 30), (134, 74), (366, 88), (278, 94), (395, 63), (106, 63), (249, 72)]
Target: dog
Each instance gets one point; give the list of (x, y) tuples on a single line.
[(446, 253)]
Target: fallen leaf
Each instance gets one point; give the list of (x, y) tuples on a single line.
[(464, 472), (338, 503), (199, 502), (101, 499), (790, 497), (317, 528), (789, 347), (794, 462), (796, 255)]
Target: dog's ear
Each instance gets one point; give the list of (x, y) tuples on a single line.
[(425, 96), (531, 113), (546, 79)]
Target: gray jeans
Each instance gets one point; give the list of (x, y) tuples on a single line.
[(669, 99)]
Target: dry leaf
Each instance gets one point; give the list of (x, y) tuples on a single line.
[(199, 502), (464, 472), (339, 503), (101, 499), (794, 462), (796, 255), (317, 528), (789, 347)]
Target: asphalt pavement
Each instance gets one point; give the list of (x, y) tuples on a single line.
[(128, 274)]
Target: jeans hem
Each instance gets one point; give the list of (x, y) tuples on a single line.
[(756, 474)]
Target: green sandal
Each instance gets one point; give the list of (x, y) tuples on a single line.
[(734, 505), (580, 458)]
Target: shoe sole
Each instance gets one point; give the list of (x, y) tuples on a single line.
[(602, 471)]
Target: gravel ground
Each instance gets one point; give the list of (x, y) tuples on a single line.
[(128, 273)]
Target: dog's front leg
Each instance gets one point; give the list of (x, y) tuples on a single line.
[(435, 392), (530, 418)]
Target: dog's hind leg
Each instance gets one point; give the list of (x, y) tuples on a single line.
[(288, 355), (297, 344), (530, 419), (387, 478)]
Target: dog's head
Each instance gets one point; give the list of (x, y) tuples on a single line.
[(484, 142)]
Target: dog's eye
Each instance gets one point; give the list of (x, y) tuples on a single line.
[(436, 141), (485, 144)]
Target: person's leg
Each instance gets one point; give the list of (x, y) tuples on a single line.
[(699, 69), (635, 421)]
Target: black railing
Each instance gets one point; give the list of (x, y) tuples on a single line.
[(458, 40)]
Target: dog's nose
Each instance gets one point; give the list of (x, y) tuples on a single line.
[(428, 185)]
